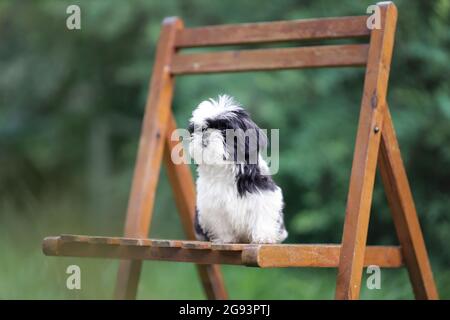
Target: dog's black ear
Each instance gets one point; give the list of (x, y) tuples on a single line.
[(249, 138)]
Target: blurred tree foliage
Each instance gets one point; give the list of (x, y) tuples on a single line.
[(71, 105)]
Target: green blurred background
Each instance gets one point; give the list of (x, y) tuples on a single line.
[(71, 104)]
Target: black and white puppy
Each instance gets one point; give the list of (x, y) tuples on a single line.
[(237, 200)]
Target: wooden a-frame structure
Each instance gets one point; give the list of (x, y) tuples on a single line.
[(376, 145)]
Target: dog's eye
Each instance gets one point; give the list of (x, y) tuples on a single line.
[(191, 128)]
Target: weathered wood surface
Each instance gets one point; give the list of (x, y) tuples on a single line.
[(258, 255), (404, 213), (278, 31), (270, 59), (365, 156)]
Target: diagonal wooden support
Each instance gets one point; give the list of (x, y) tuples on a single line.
[(404, 213)]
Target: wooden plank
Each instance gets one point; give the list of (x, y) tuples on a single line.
[(266, 256), (324, 256), (183, 188), (55, 246), (232, 246), (74, 238), (270, 59), (199, 245), (167, 243), (146, 173), (294, 30), (123, 241), (404, 213), (365, 156), (134, 242), (105, 240)]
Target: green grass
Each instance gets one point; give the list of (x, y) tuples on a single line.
[(25, 273)]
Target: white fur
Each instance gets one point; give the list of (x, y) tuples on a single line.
[(211, 108), (228, 216)]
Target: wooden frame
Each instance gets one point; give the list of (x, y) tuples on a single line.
[(376, 143)]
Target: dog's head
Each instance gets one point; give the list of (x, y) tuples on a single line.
[(222, 132)]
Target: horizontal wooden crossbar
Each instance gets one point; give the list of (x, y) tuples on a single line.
[(329, 28), (257, 255), (270, 59)]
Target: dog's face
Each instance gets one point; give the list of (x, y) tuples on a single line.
[(222, 132)]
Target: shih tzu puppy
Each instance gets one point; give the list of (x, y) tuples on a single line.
[(237, 200)]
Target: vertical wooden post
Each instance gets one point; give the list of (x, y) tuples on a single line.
[(365, 155), (184, 192), (404, 213), (150, 152)]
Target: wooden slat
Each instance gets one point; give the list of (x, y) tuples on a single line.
[(325, 256), (55, 246), (231, 246), (328, 28), (167, 243), (105, 240), (259, 255), (365, 156), (123, 241), (199, 245), (404, 213), (270, 59)]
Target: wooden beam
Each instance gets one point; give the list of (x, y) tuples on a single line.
[(324, 256), (138, 251), (294, 30), (200, 252), (404, 213), (270, 59), (365, 155)]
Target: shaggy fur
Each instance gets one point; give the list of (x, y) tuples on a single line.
[(237, 200)]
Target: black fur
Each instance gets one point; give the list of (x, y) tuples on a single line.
[(250, 180), (191, 127), (200, 234)]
